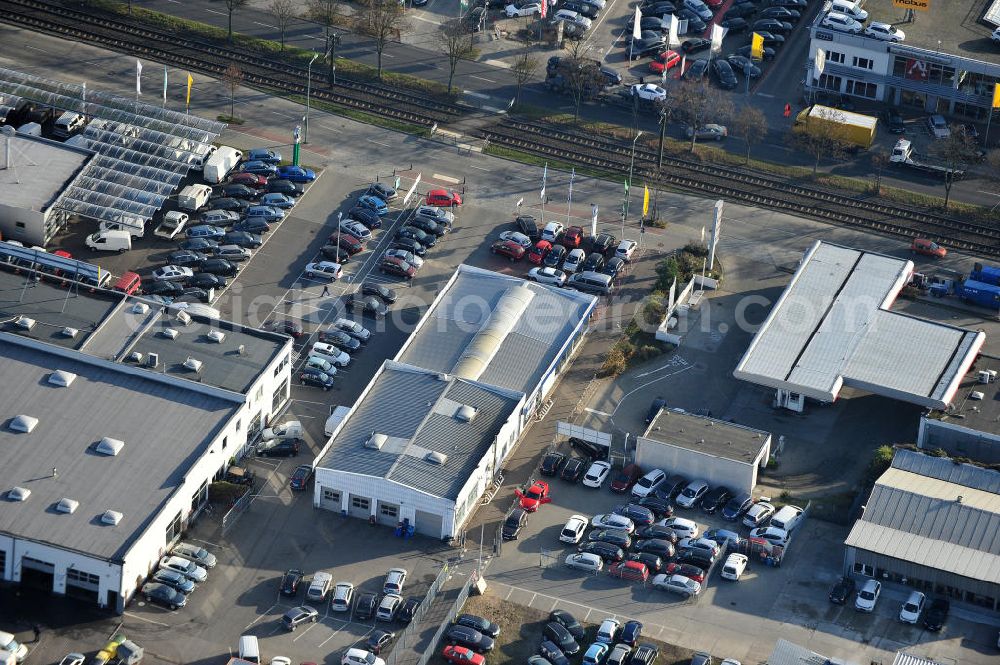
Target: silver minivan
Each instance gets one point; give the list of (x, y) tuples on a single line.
[(319, 587), (589, 281)]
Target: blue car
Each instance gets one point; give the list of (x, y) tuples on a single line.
[(205, 231), (277, 200), (596, 653), (374, 204), (260, 168), (263, 155), (267, 213), (296, 174)]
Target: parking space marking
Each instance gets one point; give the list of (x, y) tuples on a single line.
[(303, 633), (259, 617), (142, 618), (332, 635), (446, 178)]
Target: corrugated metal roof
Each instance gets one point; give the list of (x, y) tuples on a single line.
[(909, 659), (943, 468), (789, 653), (831, 327)]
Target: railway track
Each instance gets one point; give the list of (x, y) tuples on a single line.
[(128, 36), (747, 187)]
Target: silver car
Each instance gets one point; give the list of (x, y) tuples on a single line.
[(710, 132), (684, 586), (199, 555), (188, 569)]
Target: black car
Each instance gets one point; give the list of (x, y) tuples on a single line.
[(206, 280), (335, 254), (658, 532), (161, 594), (242, 239), (662, 548), (199, 244), (654, 23), (367, 217), (368, 306), (646, 654), (285, 187), (614, 266), (410, 245), (724, 74), (592, 450), (771, 25), (339, 339), (603, 243), (290, 582), (735, 24), (781, 13), (552, 464), (383, 293), (696, 557), (408, 610), (527, 225), (734, 509), (426, 239), (696, 71), (573, 469), (894, 121), (657, 9), (610, 553), (640, 515), (484, 626), (936, 614), (381, 190), (653, 561), (630, 632), (842, 590), (556, 633), (550, 653), (647, 46), (313, 376), (194, 294), (745, 51), (791, 4), (616, 537), (594, 261), (654, 409), (366, 605), (470, 638), (581, 8), (252, 225), (569, 622), (660, 506), (716, 498), (744, 65), (379, 640), (429, 227), (236, 191), (280, 449), (672, 486), (741, 10), (555, 256), (185, 257), (516, 520), (223, 267), (695, 24), (771, 39), (162, 287), (229, 203)]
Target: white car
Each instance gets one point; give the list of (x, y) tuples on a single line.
[(649, 91), (648, 483), (330, 353), (911, 609), (608, 631), (771, 534), (170, 273), (759, 513), (319, 587), (551, 276), (199, 555), (343, 594), (552, 231), (585, 561), (356, 229), (938, 126), (409, 257), (684, 586), (322, 365), (355, 656), (572, 17), (518, 237), (612, 521), (734, 566), (72, 659), (684, 528), (394, 581), (868, 596), (625, 250), (388, 607), (188, 569), (596, 474), (574, 260), (523, 9), (884, 31), (692, 494), (842, 22), (327, 269), (572, 533)]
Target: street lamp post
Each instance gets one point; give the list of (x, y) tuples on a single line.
[(628, 184), (309, 69)]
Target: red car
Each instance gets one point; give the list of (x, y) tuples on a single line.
[(573, 237), (665, 61), (714, 4), (626, 478), (393, 265), (928, 248), (687, 570), (537, 253), (249, 179), (443, 197), (536, 495), (347, 241), (508, 248), (462, 656), (635, 571)]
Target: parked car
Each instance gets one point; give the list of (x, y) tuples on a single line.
[(657, 546), (556, 633), (589, 561), (536, 495), (679, 584), (660, 506), (515, 521), (634, 571), (736, 506), (771, 534), (937, 614), (290, 582), (639, 515), (327, 269), (299, 480), (596, 653), (606, 551), (552, 463), (443, 197), (573, 469), (199, 555), (174, 580), (613, 536), (285, 187), (758, 514), (687, 570), (550, 654), (279, 448), (715, 498), (842, 590), (550, 276), (369, 306), (408, 610), (613, 521), (912, 608), (569, 622), (468, 637), (574, 529), (388, 607), (711, 131), (295, 173), (462, 656), (393, 265), (379, 640), (299, 615), (365, 606), (187, 568), (373, 203), (161, 594), (367, 216), (625, 478), (555, 256), (867, 597)]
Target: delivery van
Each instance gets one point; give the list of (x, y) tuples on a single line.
[(249, 649), (68, 124), (110, 241), (290, 430), (129, 283), (193, 197), (218, 166)]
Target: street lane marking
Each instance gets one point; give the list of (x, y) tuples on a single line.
[(445, 178), (596, 412), (473, 76), (141, 618)]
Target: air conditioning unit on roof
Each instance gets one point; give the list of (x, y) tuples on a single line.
[(216, 336), (24, 322), (170, 333), (193, 364)]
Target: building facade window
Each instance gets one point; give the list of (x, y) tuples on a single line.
[(174, 528), (864, 569), (835, 56), (3, 564), (971, 111), (388, 510), (81, 576), (861, 89), (864, 63), (280, 395), (199, 498), (830, 82), (361, 503), (331, 495)]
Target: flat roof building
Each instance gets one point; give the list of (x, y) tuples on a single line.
[(970, 426), (832, 327)]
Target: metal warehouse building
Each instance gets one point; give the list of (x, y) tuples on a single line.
[(933, 525), (432, 430), (115, 415)]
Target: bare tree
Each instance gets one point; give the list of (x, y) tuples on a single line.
[(522, 69), (750, 124), (955, 153), (821, 137), (455, 45), (380, 19), (283, 12), (697, 103), (879, 159), (232, 6), (232, 77), (327, 14), (581, 76)]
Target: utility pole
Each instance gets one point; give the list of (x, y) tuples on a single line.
[(628, 186), (309, 78), (663, 136)]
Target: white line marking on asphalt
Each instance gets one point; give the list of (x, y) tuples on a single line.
[(446, 178), (141, 618), (386, 145), (426, 20), (764, 94), (331, 636), (266, 25), (311, 626), (35, 48), (596, 412), (262, 615), (214, 12), (473, 76), (483, 168)]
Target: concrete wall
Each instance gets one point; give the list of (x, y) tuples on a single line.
[(737, 476), (958, 441), (62, 561), (33, 231)]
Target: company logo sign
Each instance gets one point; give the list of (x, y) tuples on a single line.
[(919, 5), (916, 70), (824, 36)]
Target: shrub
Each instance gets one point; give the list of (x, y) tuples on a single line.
[(881, 461), (615, 363), (696, 249)]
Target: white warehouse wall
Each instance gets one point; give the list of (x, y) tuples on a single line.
[(737, 476), (33, 232), (62, 560)]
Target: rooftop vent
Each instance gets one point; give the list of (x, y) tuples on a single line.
[(958, 499), (140, 308), (61, 377), (184, 318), (376, 441), (465, 413), (24, 322), (23, 423), (170, 333), (67, 506), (18, 494), (109, 446), (136, 357), (112, 517), (976, 395), (216, 336), (436, 458), (69, 332), (193, 364), (443, 376)]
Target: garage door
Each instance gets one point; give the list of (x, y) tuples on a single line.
[(428, 524), (360, 507), (330, 499), (388, 513), (36, 573)]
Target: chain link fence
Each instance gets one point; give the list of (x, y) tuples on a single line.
[(402, 652)]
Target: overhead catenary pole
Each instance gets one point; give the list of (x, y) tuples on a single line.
[(628, 183), (305, 128)]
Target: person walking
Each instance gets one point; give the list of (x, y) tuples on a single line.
[(326, 289), (788, 110), (36, 630)]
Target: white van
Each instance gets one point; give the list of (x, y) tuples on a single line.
[(134, 227), (193, 197), (851, 8), (30, 129), (69, 123), (787, 518), (734, 566), (8, 643), (218, 166), (249, 648), (110, 241), (289, 430)]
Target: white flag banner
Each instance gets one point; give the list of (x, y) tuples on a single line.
[(636, 30), (593, 219), (138, 77), (718, 32), (545, 177), (164, 85), (820, 62), (672, 26)]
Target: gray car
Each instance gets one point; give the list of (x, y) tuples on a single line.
[(199, 555), (710, 132)]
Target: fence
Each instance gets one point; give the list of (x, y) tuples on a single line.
[(239, 507), (402, 652), (456, 606)]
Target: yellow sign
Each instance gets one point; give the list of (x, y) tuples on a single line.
[(645, 201), (190, 81), (757, 47), (996, 95), (919, 5)]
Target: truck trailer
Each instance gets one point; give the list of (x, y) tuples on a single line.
[(904, 155), (852, 128), (985, 274), (982, 294)]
